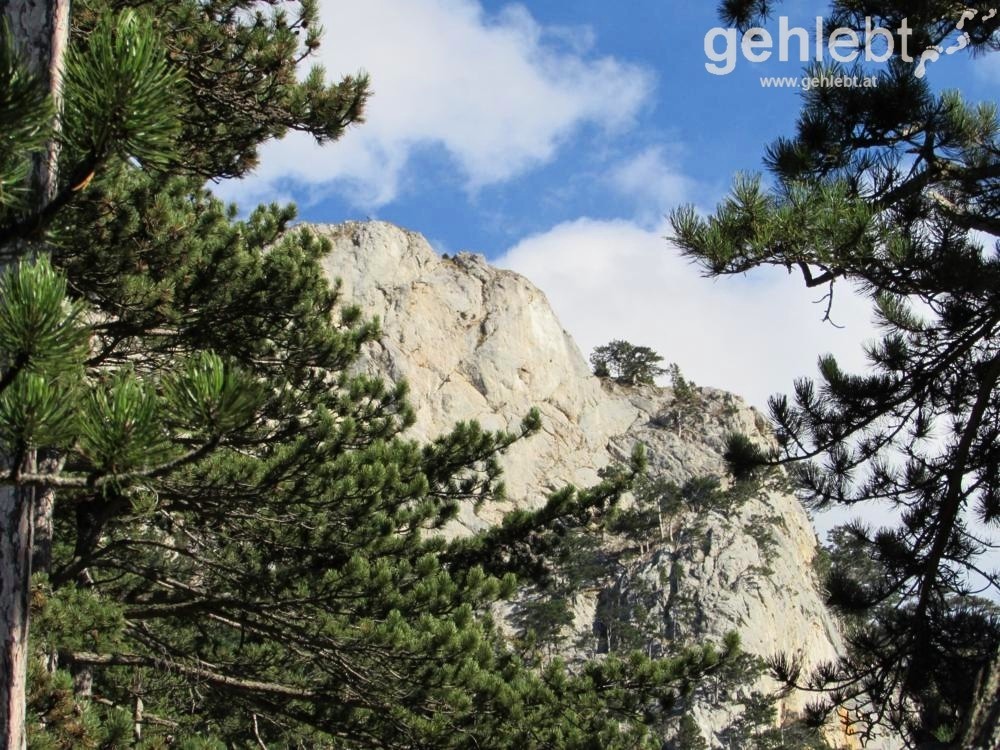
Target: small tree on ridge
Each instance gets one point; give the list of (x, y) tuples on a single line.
[(626, 363)]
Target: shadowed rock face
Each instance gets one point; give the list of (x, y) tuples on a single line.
[(476, 342)]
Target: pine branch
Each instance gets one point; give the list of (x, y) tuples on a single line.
[(31, 225), (965, 218), (97, 481), (951, 505), (202, 672)]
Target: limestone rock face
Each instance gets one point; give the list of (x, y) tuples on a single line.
[(476, 342)]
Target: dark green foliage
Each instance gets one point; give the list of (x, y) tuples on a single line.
[(525, 540), (651, 518), (755, 729), (755, 726), (71, 724), (744, 457), (859, 585), (248, 92), (25, 115), (627, 623), (626, 363), (42, 344), (744, 14), (244, 537), (542, 622), (703, 493), (688, 735), (884, 188), (687, 409), (685, 392), (120, 93)]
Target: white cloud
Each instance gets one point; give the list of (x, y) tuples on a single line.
[(752, 335), (499, 94), (652, 179)]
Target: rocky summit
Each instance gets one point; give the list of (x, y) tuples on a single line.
[(477, 342)]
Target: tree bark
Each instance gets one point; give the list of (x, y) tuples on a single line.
[(49, 462), (138, 710), (41, 32), (15, 580), (982, 728), (40, 29)]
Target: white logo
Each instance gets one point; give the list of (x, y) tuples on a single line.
[(844, 45)]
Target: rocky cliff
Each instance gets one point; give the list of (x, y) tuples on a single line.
[(476, 342)]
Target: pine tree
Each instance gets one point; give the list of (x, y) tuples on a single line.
[(627, 363), (688, 736), (894, 189), (243, 547)]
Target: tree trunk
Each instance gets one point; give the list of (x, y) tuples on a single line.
[(40, 29), (138, 710), (49, 462), (982, 728), (41, 32), (15, 579)]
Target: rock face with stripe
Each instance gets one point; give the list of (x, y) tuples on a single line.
[(477, 342)]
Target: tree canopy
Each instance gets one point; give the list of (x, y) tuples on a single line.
[(627, 363), (242, 542), (894, 189)]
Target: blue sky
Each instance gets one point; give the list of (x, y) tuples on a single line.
[(553, 137)]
